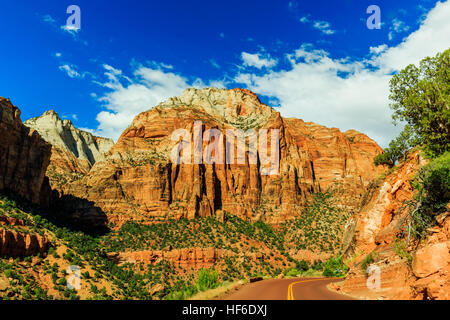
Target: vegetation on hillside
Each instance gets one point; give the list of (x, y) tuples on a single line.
[(420, 97), (256, 249), (432, 185), (320, 227)]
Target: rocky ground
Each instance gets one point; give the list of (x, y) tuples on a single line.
[(376, 236)]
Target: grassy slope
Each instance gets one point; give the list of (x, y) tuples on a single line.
[(257, 250)]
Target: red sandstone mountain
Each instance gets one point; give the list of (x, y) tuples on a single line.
[(137, 180), (24, 157)]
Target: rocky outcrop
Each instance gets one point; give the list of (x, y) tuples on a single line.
[(138, 181), (74, 151), (24, 157), (187, 258), (14, 243), (407, 270), (63, 134)]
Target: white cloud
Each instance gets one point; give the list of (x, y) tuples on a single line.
[(58, 55), (71, 71), (323, 26), (48, 19), (128, 97), (346, 93), (397, 26), (304, 19), (380, 49), (159, 65), (74, 32), (257, 60), (70, 29), (343, 93)]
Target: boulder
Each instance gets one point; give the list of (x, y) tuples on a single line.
[(431, 259)]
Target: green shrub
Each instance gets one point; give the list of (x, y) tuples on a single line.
[(335, 267), (368, 260), (400, 250), (293, 272), (302, 265), (317, 265), (433, 194), (208, 279)]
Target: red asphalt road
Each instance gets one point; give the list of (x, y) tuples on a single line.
[(288, 289)]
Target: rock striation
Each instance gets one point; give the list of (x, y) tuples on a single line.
[(14, 243), (24, 157), (186, 258), (138, 181), (74, 151), (63, 134), (414, 271)]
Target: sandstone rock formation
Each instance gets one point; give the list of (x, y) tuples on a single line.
[(137, 180), (195, 258), (63, 134), (406, 272), (74, 151), (24, 157), (14, 243)]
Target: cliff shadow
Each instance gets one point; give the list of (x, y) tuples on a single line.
[(67, 211), (78, 214)]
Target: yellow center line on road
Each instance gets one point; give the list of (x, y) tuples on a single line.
[(290, 294)]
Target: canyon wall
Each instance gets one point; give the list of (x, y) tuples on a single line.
[(74, 151), (24, 157), (408, 270), (138, 181)]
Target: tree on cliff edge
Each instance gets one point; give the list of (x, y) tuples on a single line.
[(421, 97)]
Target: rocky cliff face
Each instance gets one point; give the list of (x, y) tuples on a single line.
[(62, 134), (414, 271), (195, 258), (74, 151), (137, 180), (14, 243), (24, 157)]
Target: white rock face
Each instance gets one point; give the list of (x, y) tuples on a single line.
[(239, 107), (62, 133)]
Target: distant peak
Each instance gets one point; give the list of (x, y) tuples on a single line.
[(50, 113), (220, 91), (237, 107)]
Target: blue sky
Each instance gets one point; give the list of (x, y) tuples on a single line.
[(314, 60)]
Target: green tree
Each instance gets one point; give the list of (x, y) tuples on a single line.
[(398, 148), (420, 96)]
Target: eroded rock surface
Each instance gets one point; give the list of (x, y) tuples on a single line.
[(407, 270), (137, 179), (24, 157)]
